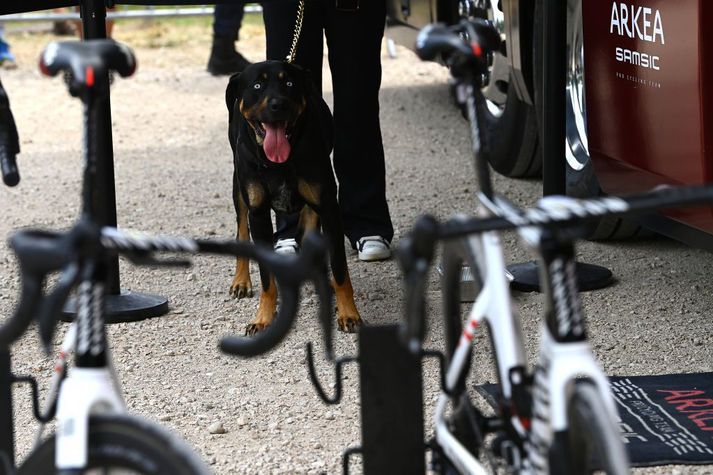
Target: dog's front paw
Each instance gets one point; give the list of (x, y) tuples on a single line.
[(240, 290), (349, 323), (254, 328)]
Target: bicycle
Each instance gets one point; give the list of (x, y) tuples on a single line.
[(93, 428), (560, 416)]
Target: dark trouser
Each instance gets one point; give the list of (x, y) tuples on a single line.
[(227, 19), (354, 43)]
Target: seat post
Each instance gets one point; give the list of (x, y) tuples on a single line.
[(93, 14), (103, 208)]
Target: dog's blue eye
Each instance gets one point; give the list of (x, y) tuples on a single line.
[(289, 83), (257, 85)]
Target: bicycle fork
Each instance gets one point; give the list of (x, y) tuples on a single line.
[(565, 354)]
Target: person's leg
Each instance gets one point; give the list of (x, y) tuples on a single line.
[(110, 24), (280, 17), (227, 19), (62, 27), (354, 42), (224, 58)]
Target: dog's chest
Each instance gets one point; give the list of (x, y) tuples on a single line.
[(283, 194)]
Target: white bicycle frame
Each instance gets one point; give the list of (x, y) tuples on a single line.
[(80, 394), (559, 364)]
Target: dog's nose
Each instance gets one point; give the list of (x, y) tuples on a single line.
[(277, 104)]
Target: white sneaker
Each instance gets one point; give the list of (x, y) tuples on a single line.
[(286, 246), (373, 248)]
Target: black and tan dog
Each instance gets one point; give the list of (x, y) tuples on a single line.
[(281, 133)]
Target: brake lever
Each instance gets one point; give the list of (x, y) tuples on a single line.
[(415, 255), (290, 274), (51, 305), (413, 332), (313, 248)]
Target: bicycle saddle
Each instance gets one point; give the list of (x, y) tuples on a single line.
[(469, 38), (87, 60)]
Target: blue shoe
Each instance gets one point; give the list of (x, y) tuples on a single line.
[(7, 59)]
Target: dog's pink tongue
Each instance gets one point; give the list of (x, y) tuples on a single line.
[(276, 145)]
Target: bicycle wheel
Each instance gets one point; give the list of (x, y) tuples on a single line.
[(456, 254), (126, 445), (509, 124), (595, 445)]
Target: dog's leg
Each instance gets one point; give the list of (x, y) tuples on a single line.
[(325, 204), (266, 309), (309, 221), (261, 229), (241, 286), (348, 318)]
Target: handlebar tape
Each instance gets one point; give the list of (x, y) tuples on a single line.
[(29, 298), (560, 211), (8, 165), (311, 265), (271, 336), (9, 142)]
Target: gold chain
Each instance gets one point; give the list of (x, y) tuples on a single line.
[(298, 30)]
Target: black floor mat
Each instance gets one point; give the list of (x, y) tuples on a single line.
[(665, 419)]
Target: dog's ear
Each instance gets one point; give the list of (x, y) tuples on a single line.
[(232, 93), (310, 86), (313, 93)]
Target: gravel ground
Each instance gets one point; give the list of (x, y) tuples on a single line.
[(173, 175)]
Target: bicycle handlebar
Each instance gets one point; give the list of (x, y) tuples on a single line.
[(8, 165), (565, 212), (9, 144), (40, 253), (415, 254), (559, 213), (290, 272)]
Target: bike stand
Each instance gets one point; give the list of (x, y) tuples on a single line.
[(124, 307), (7, 429), (391, 386), (526, 277), (553, 124), (120, 306), (7, 421)]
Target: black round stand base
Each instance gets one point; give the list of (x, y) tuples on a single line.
[(589, 277), (125, 307)]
